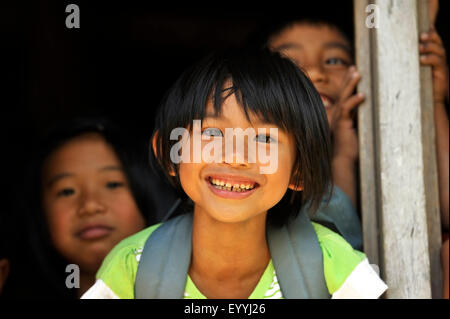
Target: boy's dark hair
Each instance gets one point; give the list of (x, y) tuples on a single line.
[(267, 85), (261, 37), (38, 258)]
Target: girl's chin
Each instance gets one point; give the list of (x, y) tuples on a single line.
[(228, 215)]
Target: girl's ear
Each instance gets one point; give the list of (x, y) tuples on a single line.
[(296, 188), (293, 186), (155, 151)]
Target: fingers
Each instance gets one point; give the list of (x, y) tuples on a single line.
[(432, 48), (432, 59), (351, 80), (432, 36), (350, 104)]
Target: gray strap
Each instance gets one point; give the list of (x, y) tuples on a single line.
[(165, 260), (299, 277)]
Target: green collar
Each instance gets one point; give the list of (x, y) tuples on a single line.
[(191, 291)]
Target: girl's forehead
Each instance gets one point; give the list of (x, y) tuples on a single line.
[(308, 33), (87, 151), (232, 110)]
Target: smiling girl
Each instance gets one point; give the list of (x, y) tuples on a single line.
[(89, 187), (235, 241)]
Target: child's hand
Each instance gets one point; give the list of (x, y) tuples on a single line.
[(432, 53), (344, 133)]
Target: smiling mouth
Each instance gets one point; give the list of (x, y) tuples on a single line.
[(232, 185), (327, 101)]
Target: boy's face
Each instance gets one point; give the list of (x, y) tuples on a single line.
[(322, 52), (206, 183), (87, 201)]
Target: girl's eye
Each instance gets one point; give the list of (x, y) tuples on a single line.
[(212, 131), (65, 192), (265, 139), (336, 61), (114, 185)]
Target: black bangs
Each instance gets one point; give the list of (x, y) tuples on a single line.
[(267, 85), (264, 91)]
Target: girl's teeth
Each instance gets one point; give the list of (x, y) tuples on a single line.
[(229, 187)]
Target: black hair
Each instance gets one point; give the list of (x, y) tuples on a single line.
[(273, 88), (271, 28), (38, 257)]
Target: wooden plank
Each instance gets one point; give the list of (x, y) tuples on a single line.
[(398, 127), (430, 161), (363, 56)]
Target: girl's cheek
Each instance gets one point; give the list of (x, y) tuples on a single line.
[(337, 82), (125, 211), (187, 173), (59, 220)]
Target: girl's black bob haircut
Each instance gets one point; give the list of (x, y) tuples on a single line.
[(269, 86)]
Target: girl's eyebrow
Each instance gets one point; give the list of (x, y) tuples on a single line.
[(61, 176), (287, 46), (58, 177), (111, 168), (328, 45), (255, 121), (212, 115), (337, 45)]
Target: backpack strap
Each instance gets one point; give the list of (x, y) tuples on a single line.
[(166, 256), (165, 260), (299, 277)]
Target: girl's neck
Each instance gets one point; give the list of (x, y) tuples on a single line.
[(234, 254)]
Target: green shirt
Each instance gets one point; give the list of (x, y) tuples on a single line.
[(267, 287), (117, 275)]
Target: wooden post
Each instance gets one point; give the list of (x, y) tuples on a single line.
[(397, 155), (364, 56)]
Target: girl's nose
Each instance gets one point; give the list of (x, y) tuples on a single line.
[(90, 205), (237, 155), (316, 73), (236, 159)]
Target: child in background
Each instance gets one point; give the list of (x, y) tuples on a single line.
[(228, 250), (89, 187), (325, 53)]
